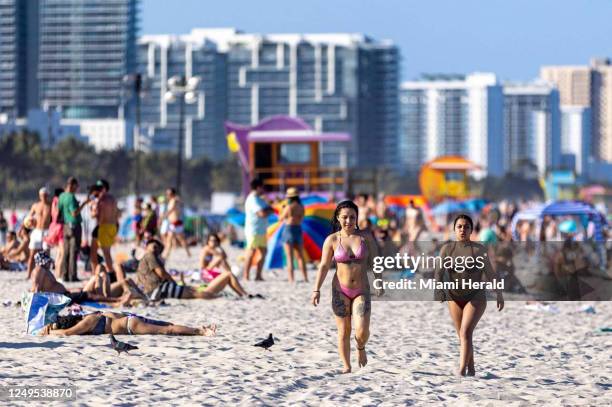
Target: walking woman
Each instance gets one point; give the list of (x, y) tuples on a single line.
[(466, 305), (353, 252)]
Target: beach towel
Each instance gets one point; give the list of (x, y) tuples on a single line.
[(42, 309), (97, 305)]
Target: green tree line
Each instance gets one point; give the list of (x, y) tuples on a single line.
[(26, 165)]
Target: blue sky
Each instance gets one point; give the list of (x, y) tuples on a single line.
[(512, 38)]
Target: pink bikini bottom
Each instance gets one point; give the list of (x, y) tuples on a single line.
[(350, 293)]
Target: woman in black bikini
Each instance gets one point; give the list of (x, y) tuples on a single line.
[(353, 252), (100, 323), (466, 306)]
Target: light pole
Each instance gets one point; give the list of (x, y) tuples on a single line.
[(136, 83), (182, 89), (50, 137)]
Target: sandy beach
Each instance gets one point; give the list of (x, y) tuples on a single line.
[(523, 357)]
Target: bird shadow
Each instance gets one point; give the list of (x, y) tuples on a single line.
[(29, 345)]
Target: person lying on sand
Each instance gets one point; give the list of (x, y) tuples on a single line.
[(101, 323), (43, 280), (159, 284)]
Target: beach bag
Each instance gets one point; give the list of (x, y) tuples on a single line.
[(42, 309), (56, 232)]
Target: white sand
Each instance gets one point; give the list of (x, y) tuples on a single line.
[(523, 357)]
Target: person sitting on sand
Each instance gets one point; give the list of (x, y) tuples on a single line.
[(466, 305), (101, 283), (100, 323), (43, 280), (21, 252), (354, 251), (11, 245), (159, 284), (213, 258)]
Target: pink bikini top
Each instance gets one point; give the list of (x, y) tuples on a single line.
[(342, 255)]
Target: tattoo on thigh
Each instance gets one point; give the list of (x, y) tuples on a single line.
[(363, 308), (338, 305)]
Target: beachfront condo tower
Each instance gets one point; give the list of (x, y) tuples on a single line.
[(18, 47), (85, 49), (335, 82), (532, 128), (443, 115)]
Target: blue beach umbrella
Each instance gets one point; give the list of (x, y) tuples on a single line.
[(42, 309)]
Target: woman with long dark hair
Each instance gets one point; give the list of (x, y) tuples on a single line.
[(353, 252), (466, 305)]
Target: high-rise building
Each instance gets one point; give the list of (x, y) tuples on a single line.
[(86, 47), (334, 82), (452, 115), (588, 86), (573, 82), (601, 109), (576, 139), (162, 56), (18, 56), (532, 133)]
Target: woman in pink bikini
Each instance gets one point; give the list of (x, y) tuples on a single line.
[(353, 251)]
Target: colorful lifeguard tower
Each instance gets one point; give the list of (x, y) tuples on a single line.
[(284, 152), (446, 177)]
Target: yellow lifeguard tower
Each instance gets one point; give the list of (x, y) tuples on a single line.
[(446, 177)]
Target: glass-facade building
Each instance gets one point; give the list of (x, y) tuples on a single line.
[(85, 49), (162, 57), (452, 115), (532, 127), (18, 48), (335, 83)]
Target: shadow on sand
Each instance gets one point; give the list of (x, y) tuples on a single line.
[(29, 345)]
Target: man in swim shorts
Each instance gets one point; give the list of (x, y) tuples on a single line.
[(107, 214), (40, 218), (256, 212)]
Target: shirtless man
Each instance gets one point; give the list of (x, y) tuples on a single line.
[(40, 216), (174, 214), (107, 214), (293, 215), (43, 280)]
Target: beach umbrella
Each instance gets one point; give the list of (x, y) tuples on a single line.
[(474, 205), (562, 208), (42, 309), (315, 228), (447, 207)]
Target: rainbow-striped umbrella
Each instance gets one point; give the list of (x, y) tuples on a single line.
[(315, 228)]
